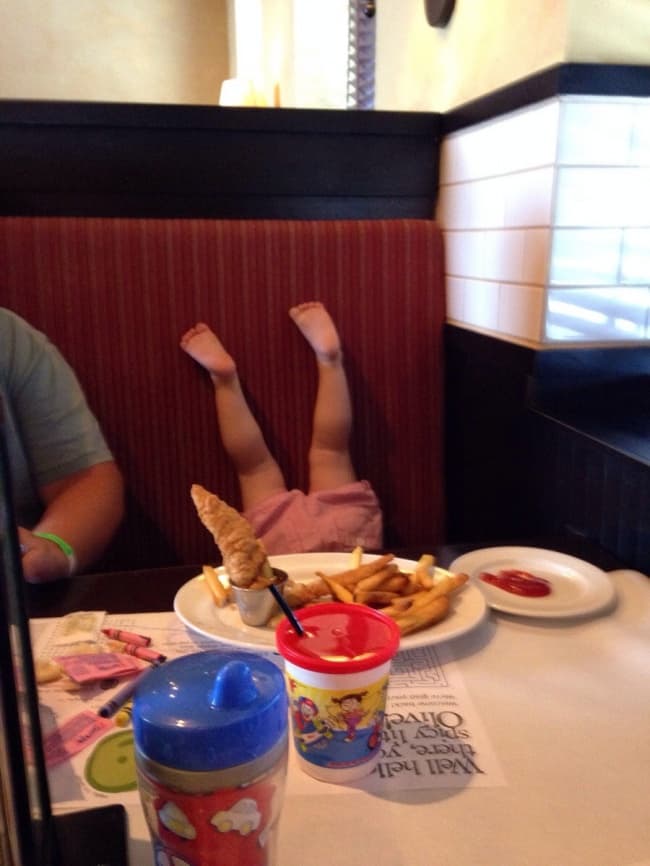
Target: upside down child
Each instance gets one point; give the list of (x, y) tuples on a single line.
[(339, 511)]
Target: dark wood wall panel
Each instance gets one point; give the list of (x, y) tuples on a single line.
[(526, 455), (487, 450), (583, 487)]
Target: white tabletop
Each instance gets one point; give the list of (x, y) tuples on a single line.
[(565, 707)]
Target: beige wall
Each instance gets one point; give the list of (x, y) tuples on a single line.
[(609, 31), (177, 50), (113, 50), (491, 43), (487, 43)]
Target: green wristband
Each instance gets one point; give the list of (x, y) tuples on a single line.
[(62, 545)]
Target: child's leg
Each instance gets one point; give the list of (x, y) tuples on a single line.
[(259, 474), (330, 464)]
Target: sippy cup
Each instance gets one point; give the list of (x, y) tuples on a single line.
[(210, 732)]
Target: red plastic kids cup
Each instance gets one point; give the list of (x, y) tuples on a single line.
[(337, 679)]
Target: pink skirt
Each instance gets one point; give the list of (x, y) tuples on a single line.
[(339, 519)]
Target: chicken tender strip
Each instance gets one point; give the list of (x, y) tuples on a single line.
[(243, 554)]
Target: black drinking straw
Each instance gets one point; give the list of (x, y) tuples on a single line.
[(277, 595)]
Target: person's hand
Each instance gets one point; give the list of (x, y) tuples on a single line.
[(43, 561)]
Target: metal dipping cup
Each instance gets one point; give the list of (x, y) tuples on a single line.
[(337, 679), (257, 606)]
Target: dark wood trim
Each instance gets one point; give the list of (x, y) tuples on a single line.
[(567, 78), (143, 114), (109, 159)]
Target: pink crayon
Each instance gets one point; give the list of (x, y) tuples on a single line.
[(141, 652), (127, 636)]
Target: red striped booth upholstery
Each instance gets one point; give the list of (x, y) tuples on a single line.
[(116, 294)]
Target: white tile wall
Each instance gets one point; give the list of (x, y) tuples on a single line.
[(517, 141), (594, 132), (603, 196), (529, 197), (640, 145), (635, 257), (597, 315), (546, 214), (536, 256), (586, 257), (521, 310), (481, 303)]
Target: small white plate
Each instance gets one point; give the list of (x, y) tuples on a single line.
[(577, 587), (194, 606)]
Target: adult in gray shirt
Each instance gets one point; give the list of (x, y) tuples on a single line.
[(68, 490)]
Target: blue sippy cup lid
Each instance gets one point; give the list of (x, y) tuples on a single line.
[(210, 710)]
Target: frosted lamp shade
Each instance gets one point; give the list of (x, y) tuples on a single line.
[(236, 91)]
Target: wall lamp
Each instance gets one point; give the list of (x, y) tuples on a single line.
[(439, 11)]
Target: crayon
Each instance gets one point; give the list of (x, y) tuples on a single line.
[(127, 636), (123, 715), (140, 652), (107, 710)]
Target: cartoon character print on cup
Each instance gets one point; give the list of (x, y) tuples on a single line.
[(308, 728), (337, 728), (238, 825)]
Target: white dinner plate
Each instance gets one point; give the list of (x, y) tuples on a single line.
[(577, 587), (194, 606)]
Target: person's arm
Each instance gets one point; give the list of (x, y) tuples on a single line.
[(84, 509)]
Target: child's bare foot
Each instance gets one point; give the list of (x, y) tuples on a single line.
[(318, 329), (202, 344)]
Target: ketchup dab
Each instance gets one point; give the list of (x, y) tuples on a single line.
[(518, 582)]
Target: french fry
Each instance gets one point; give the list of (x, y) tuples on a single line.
[(422, 573), (376, 580), (425, 562), (398, 606), (414, 584), (414, 599), (375, 597), (337, 589), (443, 587), (405, 602), (398, 583), (449, 583), (423, 598), (423, 579), (355, 557), (429, 614), (413, 604), (350, 577), (218, 590)]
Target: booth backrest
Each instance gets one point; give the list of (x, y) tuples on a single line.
[(116, 294)]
